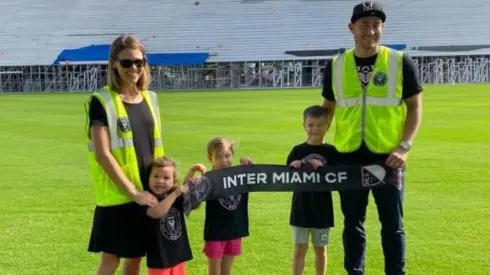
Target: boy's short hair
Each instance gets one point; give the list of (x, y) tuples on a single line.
[(219, 143), (315, 111)]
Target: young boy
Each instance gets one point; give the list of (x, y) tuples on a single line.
[(312, 212)]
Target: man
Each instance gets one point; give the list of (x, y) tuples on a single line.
[(376, 97)]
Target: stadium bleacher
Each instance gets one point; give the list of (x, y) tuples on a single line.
[(35, 32)]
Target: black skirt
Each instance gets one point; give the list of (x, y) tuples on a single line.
[(119, 230)]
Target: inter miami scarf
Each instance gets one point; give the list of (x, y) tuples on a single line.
[(280, 178)]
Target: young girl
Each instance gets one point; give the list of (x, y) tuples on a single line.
[(226, 221), (168, 246)]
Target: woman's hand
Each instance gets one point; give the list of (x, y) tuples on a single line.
[(145, 198)]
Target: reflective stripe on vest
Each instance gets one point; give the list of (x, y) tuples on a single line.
[(154, 102), (357, 101)]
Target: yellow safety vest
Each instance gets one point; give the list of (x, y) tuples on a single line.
[(121, 146), (375, 115)]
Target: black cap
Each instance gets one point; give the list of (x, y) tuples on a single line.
[(366, 9)]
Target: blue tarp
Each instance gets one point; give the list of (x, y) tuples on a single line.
[(100, 53)]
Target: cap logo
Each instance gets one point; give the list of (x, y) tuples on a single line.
[(367, 6)]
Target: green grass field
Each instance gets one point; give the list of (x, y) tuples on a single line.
[(47, 201)]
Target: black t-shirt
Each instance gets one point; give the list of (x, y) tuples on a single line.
[(312, 209), (411, 87), (167, 240), (141, 123), (226, 218)]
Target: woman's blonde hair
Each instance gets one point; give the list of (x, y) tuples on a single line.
[(118, 45)]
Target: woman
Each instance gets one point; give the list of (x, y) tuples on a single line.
[(124, 136)]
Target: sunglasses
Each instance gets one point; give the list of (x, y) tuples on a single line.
[(128, 63)]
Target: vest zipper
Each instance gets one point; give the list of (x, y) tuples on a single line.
[(363, 115)]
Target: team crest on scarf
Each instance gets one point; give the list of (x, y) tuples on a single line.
[(201, 188), (373, 175)]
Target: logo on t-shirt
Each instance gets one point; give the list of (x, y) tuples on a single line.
[(364, 72), (314, 156), (171, 225), (231, 202)]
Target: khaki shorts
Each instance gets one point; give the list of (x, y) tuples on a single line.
[(319, 237)]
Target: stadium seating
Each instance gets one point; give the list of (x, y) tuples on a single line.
[(35, 32)]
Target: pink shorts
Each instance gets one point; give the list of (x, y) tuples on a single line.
[(174, 270), (218, 249)]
